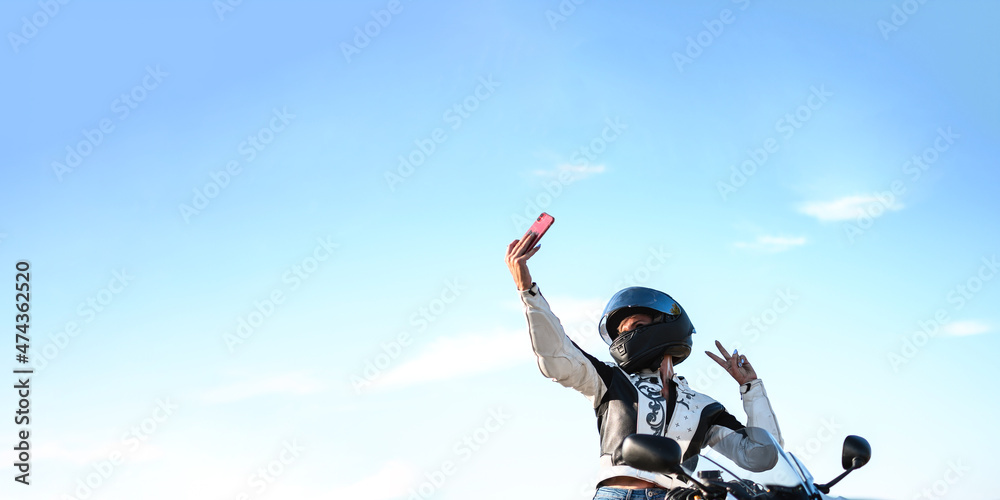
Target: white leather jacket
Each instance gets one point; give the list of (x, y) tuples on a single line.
[(632, 403)]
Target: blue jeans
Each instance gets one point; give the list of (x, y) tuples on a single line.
[(608, 493)]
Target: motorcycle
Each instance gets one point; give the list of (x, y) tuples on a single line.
[(761, 471)]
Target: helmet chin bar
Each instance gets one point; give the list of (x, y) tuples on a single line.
[(644, 348)]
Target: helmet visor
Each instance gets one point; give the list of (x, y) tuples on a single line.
[(635, 300)]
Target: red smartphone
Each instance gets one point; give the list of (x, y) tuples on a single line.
[(542, 224)]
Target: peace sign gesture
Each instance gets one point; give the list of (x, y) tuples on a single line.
[(735, 364)]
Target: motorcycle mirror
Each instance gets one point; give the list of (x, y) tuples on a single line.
[(656, 454), (652, 453), (856, 452)]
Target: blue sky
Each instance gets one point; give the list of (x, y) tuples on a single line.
[(237, 288)]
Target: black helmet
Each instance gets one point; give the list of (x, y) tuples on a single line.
[(644, 347)]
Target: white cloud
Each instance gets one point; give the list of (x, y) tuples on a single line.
[(146, 452), (288, 383), (453, 357), (963, 328), (850, 207), (580, 318), (576, 172), (574, 312), (772, 244), (393, 480), (50, 450)]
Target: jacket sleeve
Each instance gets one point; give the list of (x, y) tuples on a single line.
[(749, 448), (759, 414), (758, 408), (558, 357)]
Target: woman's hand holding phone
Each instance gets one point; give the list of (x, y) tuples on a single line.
[(519, 251)]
